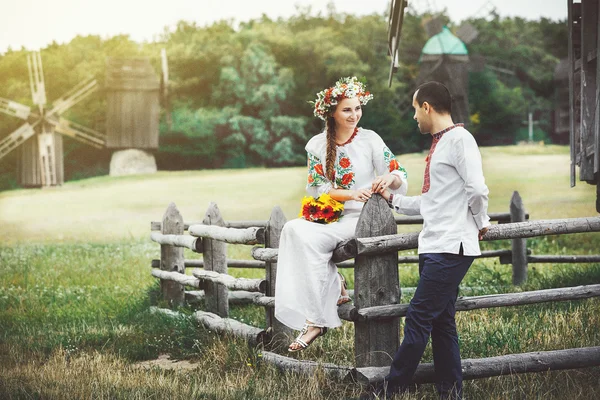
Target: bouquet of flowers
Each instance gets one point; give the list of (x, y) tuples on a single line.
[(322, 210)]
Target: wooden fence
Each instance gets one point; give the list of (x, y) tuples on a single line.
[(375, 253)]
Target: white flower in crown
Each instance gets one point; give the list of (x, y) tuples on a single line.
[(345, 88)]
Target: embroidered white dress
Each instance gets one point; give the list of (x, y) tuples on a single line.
[(308, 285)]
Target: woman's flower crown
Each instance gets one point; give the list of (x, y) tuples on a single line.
[(345, 88)]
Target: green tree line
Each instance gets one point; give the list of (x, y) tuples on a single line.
[(239, 94)]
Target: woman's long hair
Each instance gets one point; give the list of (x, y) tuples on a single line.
[(331, 149)]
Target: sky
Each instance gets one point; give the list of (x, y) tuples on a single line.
[(36, 23)]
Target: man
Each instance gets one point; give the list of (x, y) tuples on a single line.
[(453, 204)]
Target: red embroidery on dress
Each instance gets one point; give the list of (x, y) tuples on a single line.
[(350, 139), (436, 139)]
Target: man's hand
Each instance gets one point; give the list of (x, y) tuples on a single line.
[(482, 232)]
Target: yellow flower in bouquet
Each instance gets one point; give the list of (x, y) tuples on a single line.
[(323, 209)]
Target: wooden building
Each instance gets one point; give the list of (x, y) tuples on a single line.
[(584, 90), (560, 115), (133, 110), (445, 59)]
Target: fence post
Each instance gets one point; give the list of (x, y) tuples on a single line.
[(376, 283), (171, 257), (519, 246), (215, 259), (280, 333)]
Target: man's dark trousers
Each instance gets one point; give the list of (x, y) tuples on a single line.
[(431, 312)]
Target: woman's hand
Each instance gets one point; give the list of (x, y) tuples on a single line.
[(361, 195), (383, 182)]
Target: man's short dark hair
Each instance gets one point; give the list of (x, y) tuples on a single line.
[(437, 95)]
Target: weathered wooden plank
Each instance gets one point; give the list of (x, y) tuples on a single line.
[(519, 246), (332, 371), (528, 229), (281, 335), (229, 235), (171, 254), (564, 259), (589, 31), (238, 297), (250, 285), (491, 301), (215, 259), (416, 219), (230, 326), (264, 254), (376, 283), (230, 264), (156, 225), (176, 277), (178, 240), (478, 368)]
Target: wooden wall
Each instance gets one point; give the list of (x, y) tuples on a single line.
[(133, 109), (584, 91)]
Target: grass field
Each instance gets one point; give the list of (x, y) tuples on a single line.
[(75, 288)]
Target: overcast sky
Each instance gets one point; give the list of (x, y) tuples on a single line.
[(36, 23)]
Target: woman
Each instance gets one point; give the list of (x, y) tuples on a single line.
[(348, 163)]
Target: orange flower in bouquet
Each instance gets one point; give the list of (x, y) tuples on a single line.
[(322, 210)]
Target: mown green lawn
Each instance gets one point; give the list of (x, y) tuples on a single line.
[(75, 288)]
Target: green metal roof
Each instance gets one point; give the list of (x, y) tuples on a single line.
[(445, 43)]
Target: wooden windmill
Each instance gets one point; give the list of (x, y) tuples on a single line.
[(40, 162)]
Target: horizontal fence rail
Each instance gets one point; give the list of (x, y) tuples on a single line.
[(252, 235), (489, 301), (382, 244), (478, 368), (190, 242), (404, 220)]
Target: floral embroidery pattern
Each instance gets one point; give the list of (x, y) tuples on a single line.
[(344, 177), (390, 160), (316, 176)]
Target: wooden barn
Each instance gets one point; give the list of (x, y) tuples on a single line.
[(584, 91)]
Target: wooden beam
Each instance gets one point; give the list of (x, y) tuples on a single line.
[(564, 259), (496, 232), (156, 225), (171, 255), (229, 235), (177, 277), (215, 259), (304, 366), (250, 285), (376, 283), (478, 368), (190, 242), (491, 301), (231, 327)]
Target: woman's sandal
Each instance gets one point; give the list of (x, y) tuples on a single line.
[(302, 343), (345, 298)]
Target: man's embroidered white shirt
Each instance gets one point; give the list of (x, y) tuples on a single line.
[(455, 207)]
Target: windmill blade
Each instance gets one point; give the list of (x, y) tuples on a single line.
[(74, 96), (14, 109), (36, 79), (13, 140), (396, 19), (78, 132)]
